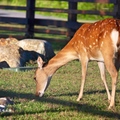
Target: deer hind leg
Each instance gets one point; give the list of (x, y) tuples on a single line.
[(114, 74), (103, 77), (84, 69)]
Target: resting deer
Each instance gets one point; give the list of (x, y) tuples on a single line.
[(99, 41)]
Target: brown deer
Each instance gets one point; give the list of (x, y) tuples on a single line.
[(99, 41)]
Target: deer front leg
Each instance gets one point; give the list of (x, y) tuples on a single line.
[(84, 69), (103, 77)]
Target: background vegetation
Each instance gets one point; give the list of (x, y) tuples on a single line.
[(64, 5)]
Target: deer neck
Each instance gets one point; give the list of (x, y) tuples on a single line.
[(66, 55), (73, 50)]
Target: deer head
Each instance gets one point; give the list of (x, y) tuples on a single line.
[(42, 79)]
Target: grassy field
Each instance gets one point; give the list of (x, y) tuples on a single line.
[(59, 101)]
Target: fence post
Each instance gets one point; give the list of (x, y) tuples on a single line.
[(30, 14), (72, 17), (118, 9)]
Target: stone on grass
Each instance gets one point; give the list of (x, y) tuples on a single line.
[(40, 46), (14, 53)]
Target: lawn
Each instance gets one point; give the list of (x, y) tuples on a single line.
[(59, 101)]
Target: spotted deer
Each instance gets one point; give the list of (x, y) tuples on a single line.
[(99, 41)]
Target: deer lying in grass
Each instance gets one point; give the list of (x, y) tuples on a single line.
[(99, 41)]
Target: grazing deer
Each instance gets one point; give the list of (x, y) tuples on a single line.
[(99, 41)]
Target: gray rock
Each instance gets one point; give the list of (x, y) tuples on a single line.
[(12, 55), (41, 47), (16, 53)]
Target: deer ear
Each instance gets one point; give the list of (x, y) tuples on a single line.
[(40, 62)]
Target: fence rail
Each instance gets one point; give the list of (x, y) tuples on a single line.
[(29, 26)]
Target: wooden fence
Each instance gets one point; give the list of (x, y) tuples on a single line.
[(30, 26)]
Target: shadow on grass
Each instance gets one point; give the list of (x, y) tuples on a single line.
[(87, 93), (86, 108)]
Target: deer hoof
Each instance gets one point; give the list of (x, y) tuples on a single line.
[(78, 99), (112, 108)]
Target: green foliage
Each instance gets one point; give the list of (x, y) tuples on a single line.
[(64, 5), (13, 2)]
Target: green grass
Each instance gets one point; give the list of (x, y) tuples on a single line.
[(59, 101)]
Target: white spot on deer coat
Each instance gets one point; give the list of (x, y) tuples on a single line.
[(104, 34), (90, 46), (102, 44)]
